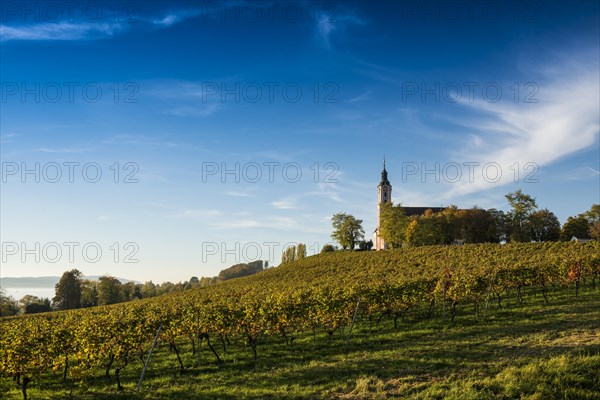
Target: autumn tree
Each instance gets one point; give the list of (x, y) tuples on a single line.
[(89, 293), (523, 205), (328, 247), (68, 291), (577, 226), (593, 217), (300, 251), (131, 291), (500, 229), (347, 230), (477, 226), (148, 289), (393, 224), (8, 305), (33, 304), (449, 224), (424, 230), (544, 226), (288, 255), (109, 290)]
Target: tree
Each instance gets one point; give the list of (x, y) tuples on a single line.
[(68, 291), (450, 224), (239, 270), (300, 251), (595, 231), (293, 253), (8, 305), (544, 226), (523, 205), (206, 281), (365, 245), (148, 289), (89, 293), (424, 230), (499, 230), (577, 226), (130, 291), (347, 230), (288, 255), (33, 304), (109, 290), (165, 287), (393, 225), (593, 217), (328, 248), (477, 226)]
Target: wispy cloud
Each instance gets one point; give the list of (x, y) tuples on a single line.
[(140, 140), (288, 203), (62, 31), (564, 121), (200, 110), (173, 18), (6, 138), (183, 98), (368, 95), (66, 150), (273, 223), (329, 24), (237, 193), (197, 213), (582, 174), (73, 30)]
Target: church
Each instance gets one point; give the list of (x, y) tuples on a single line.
[(384, 195)]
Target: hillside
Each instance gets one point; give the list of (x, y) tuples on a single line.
[(420, 321)]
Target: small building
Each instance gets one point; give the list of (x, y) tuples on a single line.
[(581, 240)]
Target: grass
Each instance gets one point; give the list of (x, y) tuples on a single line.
[(529, 351)]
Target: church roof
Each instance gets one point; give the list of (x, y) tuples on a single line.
[(410, 211)]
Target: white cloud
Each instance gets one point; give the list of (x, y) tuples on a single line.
[(86, 30), (287, 224), (584, 173), (361, 97), (60, 31), (200, 110), (61, 150), (287, 203), (564, 121), (327, 24), (236, 193), (198, 214)]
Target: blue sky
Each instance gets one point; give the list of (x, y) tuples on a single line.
[(239, 127)]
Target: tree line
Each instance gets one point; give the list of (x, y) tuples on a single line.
[(74, 291), (524, 222)]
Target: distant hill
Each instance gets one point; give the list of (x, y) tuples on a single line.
[(43, 281)]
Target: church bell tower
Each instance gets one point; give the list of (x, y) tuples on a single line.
[(384, 195)]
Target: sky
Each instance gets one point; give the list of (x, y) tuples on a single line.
[(159, 140)]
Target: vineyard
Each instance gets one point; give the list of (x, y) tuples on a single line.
[(341, 297)]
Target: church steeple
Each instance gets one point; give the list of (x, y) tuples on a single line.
[(384, 195), (384, 177)]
